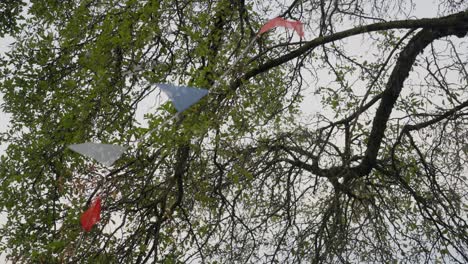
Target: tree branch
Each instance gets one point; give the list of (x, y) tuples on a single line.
[(457, 21), (394, 86)]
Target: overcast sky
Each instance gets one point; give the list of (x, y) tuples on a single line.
[(424, 8)]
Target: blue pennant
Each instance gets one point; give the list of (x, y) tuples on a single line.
[(182, 96)]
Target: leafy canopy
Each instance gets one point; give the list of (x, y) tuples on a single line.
[(377, 175)]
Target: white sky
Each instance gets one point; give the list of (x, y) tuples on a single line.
[(424, 8), (4, 118)]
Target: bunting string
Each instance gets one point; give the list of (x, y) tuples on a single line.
[(182, 98)]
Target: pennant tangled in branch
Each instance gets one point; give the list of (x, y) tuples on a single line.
[(182, 96), (91, 216), (281, 22)]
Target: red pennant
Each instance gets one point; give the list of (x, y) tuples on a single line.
[(281, 22), (91, 216)]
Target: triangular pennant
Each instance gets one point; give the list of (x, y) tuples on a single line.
[(106, 154), (182, 96), (281, 22), (91, 216)]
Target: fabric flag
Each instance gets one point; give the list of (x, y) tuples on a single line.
[(91, 216), (106, 154), (281, 22), (182, 96)]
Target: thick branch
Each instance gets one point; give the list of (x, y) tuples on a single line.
[(457, 21), (394, 86)]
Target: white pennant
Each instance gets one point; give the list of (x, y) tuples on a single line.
[(106, 154)]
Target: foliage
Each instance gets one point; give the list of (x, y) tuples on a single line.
[(10, 11), (376, 176)]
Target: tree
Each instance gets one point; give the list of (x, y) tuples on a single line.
[(10, 10), (240, 177)]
